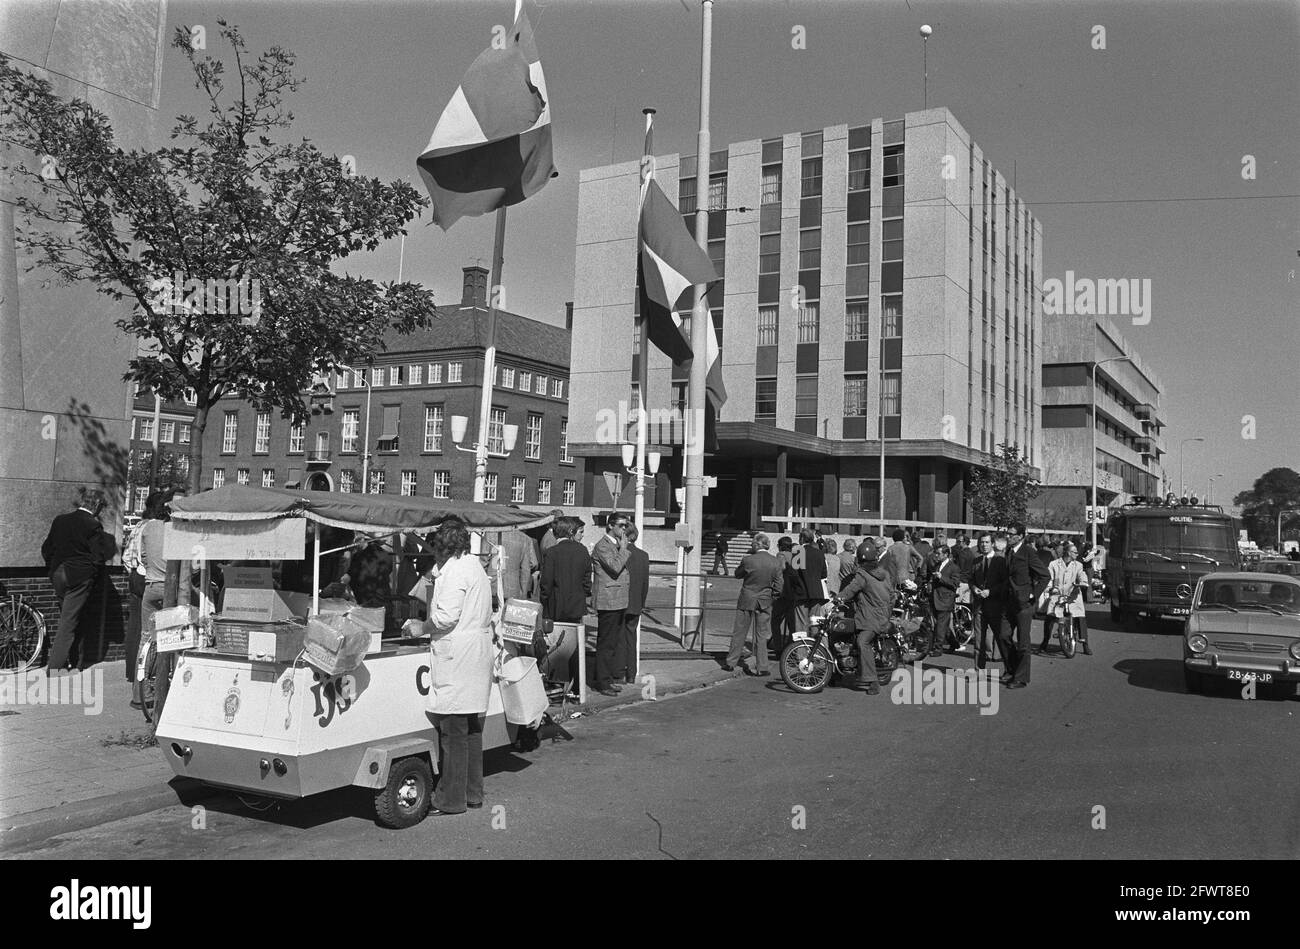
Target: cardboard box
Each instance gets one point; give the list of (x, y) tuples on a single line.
[(263, 605), (369, 618), (174, 617), (175, 638), (280, 642), (519, 620), (334, 644)]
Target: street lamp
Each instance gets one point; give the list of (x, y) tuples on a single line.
[(365, 447), (1092, 462), (509, 435), (1182, 486), (1209, 493), (651, 469)]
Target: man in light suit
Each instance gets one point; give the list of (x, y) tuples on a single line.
[(762, 573), (1027, 577), (638, 575), (609, 587)]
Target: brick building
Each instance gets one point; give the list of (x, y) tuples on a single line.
[(399, 410), (175, 421)]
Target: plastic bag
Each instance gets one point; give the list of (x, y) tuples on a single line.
[(334, 644)]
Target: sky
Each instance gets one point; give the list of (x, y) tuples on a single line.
[(1131, 156)]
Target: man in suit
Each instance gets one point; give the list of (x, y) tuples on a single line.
[(73, 550), (518, 565), (783, 605), (988, 596), (762, 573), (565, 581), (848, 560), (638, 577), (550, 538), (964, 555), (807, 571), (943, 597), (901, 560), (1027, 577), (609, 589)]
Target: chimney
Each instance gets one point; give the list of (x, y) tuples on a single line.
[(568, 316), (475, 291)]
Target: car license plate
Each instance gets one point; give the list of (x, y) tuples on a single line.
[(1180, 611), (1264, 677)]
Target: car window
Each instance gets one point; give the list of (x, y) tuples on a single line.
[(1250, 594)]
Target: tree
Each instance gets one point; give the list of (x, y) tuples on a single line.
[(1000, 494), (223, 247), (1274, 492)]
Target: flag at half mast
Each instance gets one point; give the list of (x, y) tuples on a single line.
[(492, 146)]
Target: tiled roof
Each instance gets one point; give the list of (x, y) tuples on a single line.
[(465, 328)]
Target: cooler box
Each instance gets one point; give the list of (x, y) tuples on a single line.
[(263, 606)]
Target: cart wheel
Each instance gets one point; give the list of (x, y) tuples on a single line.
[(406, 799)]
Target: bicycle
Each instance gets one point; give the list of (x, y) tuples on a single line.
[(22, 634), (1067, 624)]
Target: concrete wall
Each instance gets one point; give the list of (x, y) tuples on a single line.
[(64, 409)]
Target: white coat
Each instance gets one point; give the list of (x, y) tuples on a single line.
[(1064, 577), (460, 622)]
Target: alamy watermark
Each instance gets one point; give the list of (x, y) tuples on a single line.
[(211, 297), (1123, 296), (38, 687), (617, 426), (918, 686)]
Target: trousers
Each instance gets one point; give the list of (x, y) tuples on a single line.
[(610, 644), (745, 619), (460, 763), (72, 593)]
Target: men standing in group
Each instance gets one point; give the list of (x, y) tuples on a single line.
[(988, 594), (550, 538), (807, 571), (609, 587), (783, 607), (901, 560), (638, 586), (763, 581), (943, 597), (964, 556), (518, 564), (73, 550), (565, 581), (1027, 578), (848, 560)]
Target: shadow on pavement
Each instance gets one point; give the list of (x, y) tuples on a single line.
[(1159, 675)]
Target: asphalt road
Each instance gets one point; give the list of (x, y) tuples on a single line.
[(748, 769)]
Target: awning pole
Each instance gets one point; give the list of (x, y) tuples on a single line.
[(315, 568)]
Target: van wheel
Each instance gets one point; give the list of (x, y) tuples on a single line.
[(406, 799)]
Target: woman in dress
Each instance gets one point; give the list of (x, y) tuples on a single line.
[(1068, 581)]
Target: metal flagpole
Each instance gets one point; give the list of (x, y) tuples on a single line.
[(489, 358), (642, 376), (694, 473)]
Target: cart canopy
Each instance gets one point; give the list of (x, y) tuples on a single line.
[(358, 512)]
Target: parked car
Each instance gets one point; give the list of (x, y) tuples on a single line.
[(1242, 627), (1290, 568)]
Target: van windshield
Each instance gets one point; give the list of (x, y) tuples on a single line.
[(1174, 539)]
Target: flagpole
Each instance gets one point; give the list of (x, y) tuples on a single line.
[(643, 366), (489, 358), (694, 473)]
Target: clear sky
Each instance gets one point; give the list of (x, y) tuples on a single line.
[(1110, 147)]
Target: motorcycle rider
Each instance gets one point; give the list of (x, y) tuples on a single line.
[(871, 594)]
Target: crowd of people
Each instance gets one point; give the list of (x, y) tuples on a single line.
[(1002, 577)]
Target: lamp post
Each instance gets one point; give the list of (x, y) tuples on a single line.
[(365, 446), (1182, 485), (925, 65), (630, 453), (482, 450), (1209, 493), (1092, 462)]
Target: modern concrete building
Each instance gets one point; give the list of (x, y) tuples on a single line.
[(1128, 447), (411, 392), (876, 273)]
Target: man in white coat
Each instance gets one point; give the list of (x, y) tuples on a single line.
[(460, 623)]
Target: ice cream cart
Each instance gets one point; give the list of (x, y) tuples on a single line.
[(275, 727)]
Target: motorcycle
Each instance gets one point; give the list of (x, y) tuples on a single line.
[(910, 623), (830, 648)]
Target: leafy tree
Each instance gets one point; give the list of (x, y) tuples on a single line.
[(1000, 494), (1275, 491), (223, 242)]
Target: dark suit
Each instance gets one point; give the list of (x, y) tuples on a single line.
[(988, 574), (965, 558), (565, 581), (806, 584), (943, 597), (1027, 577), (638, 587), (73, 550), (763, 576)]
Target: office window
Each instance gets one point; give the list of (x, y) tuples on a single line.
[(570, 492), (394, 375), (805, 396), (893, 170), (140, 497), (543, 490), (855, 396), (388, 438), (190, 397), (341, 381), (811, 178), (358, 379), (810, 249), (859, 170), (855, 320), (496, 440), (811, 144), (408, 483), (351, 425), (517, 489), (435, 373), (376, 376), (146, 430), (218, 477), (564, 441), (229, 431), (433, 428), (346, 483), (891, 247), (268, 477), (442, 485), (868, 495), (768, 325), (686, 196), (507, 377), (416, 375), (262, 434), (242, 475), (718, 255), (891, 316), (765, 400), (534, 442), (490, 486), (296, 436), (557, 388), (810, 322), (769, 254), (183, 433), (454, 370), (378, 482), (540, 387), (859, 243), (891, 396), (771, 193), (717, 192), (525, 381)]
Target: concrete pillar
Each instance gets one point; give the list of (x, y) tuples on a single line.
[(11, 344)]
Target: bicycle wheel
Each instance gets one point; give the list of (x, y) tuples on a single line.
[(1067, 636), (22, 635), (962, 630)]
